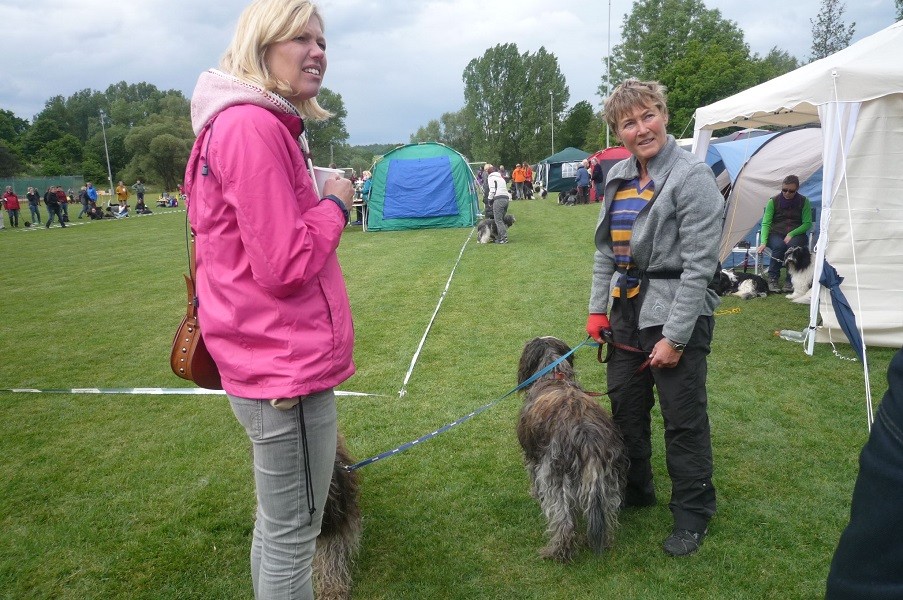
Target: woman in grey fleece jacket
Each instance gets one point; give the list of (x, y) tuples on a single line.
[(656, 252)]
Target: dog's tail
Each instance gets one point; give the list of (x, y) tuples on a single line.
[(601, 489), (340, 536)]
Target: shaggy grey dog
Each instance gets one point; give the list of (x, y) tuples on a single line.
[(340, 534), (573, 452), (487, 231)]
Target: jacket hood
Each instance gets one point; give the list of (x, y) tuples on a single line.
[(216, 91)]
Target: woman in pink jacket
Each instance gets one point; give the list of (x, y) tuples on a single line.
[(272, 298)]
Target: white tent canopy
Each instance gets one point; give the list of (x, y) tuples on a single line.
[(857, 96)]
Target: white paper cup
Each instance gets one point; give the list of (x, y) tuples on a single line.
[(321, 174)]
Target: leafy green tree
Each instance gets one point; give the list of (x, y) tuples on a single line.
[(431, 132), (716, 73), (10, 164), (829, 32), (168, 155), (700, 56), (82, 108), (450, 129), (656, 33), (361, 158), (776, 63), (44, 131), (573, 129), (12, 128), (159, 150), (328, 138), (125, 106), (92, 170), (595, 134), (507, 104)]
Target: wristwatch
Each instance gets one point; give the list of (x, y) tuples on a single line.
[(675, 345)]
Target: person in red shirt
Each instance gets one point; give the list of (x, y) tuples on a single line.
[(11, 201)]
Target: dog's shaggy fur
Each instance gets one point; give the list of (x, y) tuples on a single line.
[(488, 231), (573, 452), (798, 262), (742, 285), (340, 534)]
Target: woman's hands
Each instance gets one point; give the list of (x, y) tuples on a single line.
[(341, 188)]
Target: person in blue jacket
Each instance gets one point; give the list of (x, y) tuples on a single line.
[(583, 183)]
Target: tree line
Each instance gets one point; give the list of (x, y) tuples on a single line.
[(145, 132), (515, 104)]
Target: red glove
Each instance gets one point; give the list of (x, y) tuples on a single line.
[(596, 323)]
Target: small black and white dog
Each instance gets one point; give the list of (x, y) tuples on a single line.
[(742, 285), (488, 231), (798, 262)]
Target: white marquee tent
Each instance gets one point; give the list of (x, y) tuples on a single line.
[(857, 96)]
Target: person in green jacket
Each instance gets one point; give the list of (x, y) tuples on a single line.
[(787, 220)]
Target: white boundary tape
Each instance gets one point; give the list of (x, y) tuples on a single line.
[(196, 391), (407, 376)]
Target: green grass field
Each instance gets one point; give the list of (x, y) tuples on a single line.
[(142, 496)]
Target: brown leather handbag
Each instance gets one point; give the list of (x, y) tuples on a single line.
[(189, 357)]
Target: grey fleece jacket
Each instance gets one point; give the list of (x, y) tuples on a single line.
[(678, 230)]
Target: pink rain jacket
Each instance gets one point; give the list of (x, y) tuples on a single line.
[(272, 301)]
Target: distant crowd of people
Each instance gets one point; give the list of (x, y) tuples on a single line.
[(56, 201)]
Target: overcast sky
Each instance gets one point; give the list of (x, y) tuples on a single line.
[(396, 63)]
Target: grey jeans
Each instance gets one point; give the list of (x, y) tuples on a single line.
[(499, 208), (288, 443)]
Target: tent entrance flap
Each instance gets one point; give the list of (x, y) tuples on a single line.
[(426, 180)]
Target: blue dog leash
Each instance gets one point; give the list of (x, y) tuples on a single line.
[(467, 417)]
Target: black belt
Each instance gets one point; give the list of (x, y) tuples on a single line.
[(643, 277)]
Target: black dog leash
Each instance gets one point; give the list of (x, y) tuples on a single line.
[(608, 340)]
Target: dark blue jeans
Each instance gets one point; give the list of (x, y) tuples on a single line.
[(868, 559), (54, 211), (778, 249), (35, 213)]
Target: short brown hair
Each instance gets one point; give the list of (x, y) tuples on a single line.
[(631, 94), (792, 180)]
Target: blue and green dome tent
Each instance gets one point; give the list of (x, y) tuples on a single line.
[(422, 186)]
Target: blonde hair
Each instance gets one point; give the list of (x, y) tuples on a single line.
[(262, 24), (631, 94)]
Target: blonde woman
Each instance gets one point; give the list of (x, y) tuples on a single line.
[(272, 298)]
